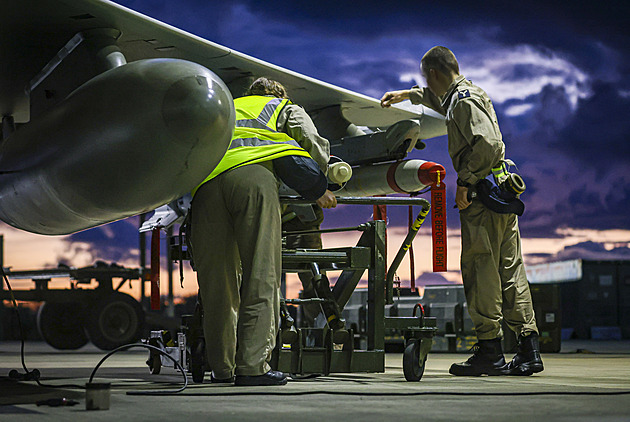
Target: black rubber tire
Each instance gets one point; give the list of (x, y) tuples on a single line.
[(411, 362), (116, 320), (61, 325), (155, 364), (154, 361), (197, 360)]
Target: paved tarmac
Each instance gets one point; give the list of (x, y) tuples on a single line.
[(587, 381)]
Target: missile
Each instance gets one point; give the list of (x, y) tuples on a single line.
[(405, 176), (126, 142)]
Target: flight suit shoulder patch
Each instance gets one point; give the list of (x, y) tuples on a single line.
[(463, 94)]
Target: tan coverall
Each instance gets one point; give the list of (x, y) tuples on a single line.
[(240, 211), (492, 267)]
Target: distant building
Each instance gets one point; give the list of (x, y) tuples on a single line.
[(594, 296)]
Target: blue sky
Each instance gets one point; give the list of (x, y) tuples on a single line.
[(556, 71)]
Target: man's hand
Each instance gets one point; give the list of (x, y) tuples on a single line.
[(328, 200), (461, 198), (393, 97)]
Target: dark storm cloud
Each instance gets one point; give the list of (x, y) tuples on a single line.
[(593, 251), (555, 24), (377, 18), (573, 181), (597, 133), (114, 242), (202, 18), (312, 37), (559, 25), (555, 70), (575, 164), (525, 71)]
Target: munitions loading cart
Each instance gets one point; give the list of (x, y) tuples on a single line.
[(328, 349)]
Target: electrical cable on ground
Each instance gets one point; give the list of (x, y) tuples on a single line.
[(35, 374), (150, 347)]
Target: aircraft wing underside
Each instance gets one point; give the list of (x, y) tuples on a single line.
[(34, 32), (93, 94)]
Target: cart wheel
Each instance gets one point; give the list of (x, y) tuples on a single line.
[(412, 368), (116, 320), (154, 361), (155, 364), (61, 325), (197, 367)]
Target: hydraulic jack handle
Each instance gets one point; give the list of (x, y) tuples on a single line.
[(413, 230)]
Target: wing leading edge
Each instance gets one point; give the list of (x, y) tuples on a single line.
[(38, 29)]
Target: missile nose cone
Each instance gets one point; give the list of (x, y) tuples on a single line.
[(198, 107), (431, 173)]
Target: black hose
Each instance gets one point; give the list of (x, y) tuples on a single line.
[(150, 347)]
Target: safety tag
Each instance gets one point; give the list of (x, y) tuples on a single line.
[(155, 269), (438, 223)]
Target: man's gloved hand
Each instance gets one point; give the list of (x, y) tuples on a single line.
[(327, 200)]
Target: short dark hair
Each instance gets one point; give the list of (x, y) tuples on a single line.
[(441, 59), (265, 86)]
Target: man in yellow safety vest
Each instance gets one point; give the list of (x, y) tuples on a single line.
[(236, 230)]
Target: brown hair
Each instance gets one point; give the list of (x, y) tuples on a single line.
[(441, 59), (265, 86)]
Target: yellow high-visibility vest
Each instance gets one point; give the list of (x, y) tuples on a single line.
[(255, 136)]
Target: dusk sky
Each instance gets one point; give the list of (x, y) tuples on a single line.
[(556, 72)]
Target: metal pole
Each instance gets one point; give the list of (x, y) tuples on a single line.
[(143, 259), (170, 310), (361, 228), (361, 200), (413, 230)]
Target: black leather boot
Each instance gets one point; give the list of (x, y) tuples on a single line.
[(487, 359), (527, 360), (270, 378)]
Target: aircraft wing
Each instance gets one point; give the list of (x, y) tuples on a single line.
[(107, 113), (34, 31)]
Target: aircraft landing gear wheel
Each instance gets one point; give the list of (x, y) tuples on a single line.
[(116, 320), (412, 367), (61, 325)]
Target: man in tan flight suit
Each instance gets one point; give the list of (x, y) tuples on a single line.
[(236, 230), (491, 263)]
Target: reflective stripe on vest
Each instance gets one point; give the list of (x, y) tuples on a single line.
[(255, 137), (260, 112), (500, 173)]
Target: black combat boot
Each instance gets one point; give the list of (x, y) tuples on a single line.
[(527, 360), (487, 359)]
